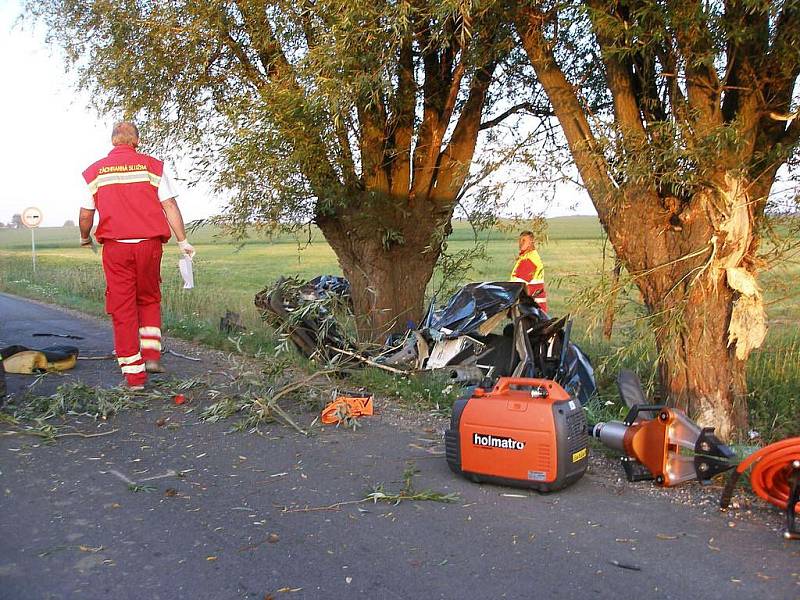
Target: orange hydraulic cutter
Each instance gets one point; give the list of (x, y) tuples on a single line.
[(660, 443)]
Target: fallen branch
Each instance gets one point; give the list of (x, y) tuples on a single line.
[(378, 495), (294, 386), (179, 355), (104, 357), (334, 506), (366, 360), (58, 435), (273, 406)]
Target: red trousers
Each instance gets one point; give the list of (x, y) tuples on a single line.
[(538, 293), (133, 299)]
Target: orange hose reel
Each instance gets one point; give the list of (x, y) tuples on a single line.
[(775, 477)]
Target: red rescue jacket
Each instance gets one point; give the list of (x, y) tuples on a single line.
[(125, 188)]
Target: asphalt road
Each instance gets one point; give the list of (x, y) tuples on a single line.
[(260, 516)]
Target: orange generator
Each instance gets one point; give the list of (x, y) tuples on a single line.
[(524, 432)]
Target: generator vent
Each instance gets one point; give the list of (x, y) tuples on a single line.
[(577, 431)]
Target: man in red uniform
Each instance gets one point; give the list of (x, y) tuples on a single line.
[(136, 203), (529, 269)]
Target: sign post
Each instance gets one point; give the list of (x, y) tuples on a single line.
[(31, 218)]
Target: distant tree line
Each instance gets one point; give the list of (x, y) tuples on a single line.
[(15, 223)]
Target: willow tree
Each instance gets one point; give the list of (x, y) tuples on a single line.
[(361, 117), (681, 169)]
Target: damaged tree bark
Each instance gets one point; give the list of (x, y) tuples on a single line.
[(683, 272)]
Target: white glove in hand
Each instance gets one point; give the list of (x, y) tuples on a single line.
[(186, 248), (86, 241)]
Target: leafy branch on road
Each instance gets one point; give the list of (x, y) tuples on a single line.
[(408, 492), (379, 494), (33, 415)]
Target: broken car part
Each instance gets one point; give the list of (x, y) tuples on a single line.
[(459, 339)]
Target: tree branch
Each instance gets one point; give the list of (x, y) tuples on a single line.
[(584, 148), (703, 87), (423, 180), (431, 103), (525, 106), (452, 165), (402, 120), (619, 75), (281, 79)]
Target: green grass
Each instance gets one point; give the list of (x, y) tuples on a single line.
[(228, 274)]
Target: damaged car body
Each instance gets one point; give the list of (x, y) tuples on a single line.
[(460, 339)]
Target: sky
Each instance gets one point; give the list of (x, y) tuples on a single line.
[(49, 136)]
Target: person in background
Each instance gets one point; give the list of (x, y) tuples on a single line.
[(135, 200), (529, 269)]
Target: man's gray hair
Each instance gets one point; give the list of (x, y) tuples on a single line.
[(125, 132)]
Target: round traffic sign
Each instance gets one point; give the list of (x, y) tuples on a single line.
[(31, 217)]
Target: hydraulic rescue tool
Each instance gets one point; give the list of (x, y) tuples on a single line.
[(661, 443), (524, 432)]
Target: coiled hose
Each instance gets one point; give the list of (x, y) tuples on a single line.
[(775, 478)]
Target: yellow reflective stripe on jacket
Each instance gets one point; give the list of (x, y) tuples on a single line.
[(130, 177)]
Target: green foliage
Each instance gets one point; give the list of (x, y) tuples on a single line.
[(772, 377), (75, 399), (454, 268), (137, 487), (379, 493), (330, 316)]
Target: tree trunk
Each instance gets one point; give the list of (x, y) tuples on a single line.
[(692, 263), (699, 372), (389, 260)]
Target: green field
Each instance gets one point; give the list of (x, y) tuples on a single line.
[(228, 274)]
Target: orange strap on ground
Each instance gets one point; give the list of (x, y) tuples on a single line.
[(771, 468), (346, 407)]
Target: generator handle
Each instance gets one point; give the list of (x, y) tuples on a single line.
[(504, 383)]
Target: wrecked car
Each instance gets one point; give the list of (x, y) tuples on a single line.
[(485, 331)]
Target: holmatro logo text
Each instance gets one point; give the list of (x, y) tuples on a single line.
[(491, 441)]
